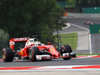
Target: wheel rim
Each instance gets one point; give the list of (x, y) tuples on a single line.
[(63, 50), (3, 56), (30, 54)]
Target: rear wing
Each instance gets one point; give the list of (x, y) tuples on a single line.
[(13, 40)]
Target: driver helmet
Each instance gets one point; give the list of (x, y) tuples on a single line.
[(37, 43)]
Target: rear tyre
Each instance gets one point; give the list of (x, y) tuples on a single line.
[(33, 52), (7, 55), (66, 49)]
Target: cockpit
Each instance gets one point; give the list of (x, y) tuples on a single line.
[(33, 41)]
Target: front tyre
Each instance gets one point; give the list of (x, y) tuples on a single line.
[(66, 49), (7, 55), (33, 52), (67, 58)]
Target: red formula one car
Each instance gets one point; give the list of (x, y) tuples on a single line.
[(35, 50), (89, 23)]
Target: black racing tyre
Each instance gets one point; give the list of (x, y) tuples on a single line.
[(33, 52), (66, 49), (7, 55), (67, 58)]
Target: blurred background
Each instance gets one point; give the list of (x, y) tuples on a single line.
[(24, 18)]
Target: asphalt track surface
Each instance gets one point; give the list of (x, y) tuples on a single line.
[(60, 62), (79, 22), (53, 62)]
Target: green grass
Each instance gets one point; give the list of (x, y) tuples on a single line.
[(69, 38)]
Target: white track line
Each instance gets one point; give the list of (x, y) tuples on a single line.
[(80, 27), (67, 25), (59, 68)]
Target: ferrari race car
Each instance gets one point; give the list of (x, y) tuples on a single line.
[(35, 50)]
